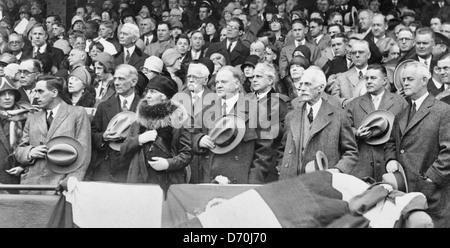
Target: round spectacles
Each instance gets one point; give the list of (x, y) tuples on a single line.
[(231, 27), (24, 72)]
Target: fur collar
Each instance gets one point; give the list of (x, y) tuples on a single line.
[(161, 115)]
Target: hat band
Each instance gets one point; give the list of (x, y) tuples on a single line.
[(385, 131), (230, 140)]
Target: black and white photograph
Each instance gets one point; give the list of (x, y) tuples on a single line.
[(224, 119)]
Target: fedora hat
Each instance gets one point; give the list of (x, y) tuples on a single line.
[(227, 132), (320, 163), (351, 18), (398, 73), (397, 180), (65, 154), (121, 124), (380, 122)]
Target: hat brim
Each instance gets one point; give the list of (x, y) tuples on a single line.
[(129, 114), (398, 72), (402, 171), (384, 138), (81, 154), (240, 124), (322, 163)]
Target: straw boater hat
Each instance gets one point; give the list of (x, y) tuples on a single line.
[(320, 163), (121, 124), (65, 154), (227, 132), (380, 122), (397, 180)]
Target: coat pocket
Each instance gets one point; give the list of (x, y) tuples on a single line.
[(431, 192)]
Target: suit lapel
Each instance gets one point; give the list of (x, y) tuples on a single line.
[(321, 121), (59, 118), (41, 118), (113, 108), (366, 103), (296, 124), (352, 76), (386, 101), (423, 111)]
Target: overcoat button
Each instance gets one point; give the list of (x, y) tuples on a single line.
[(236, 158)]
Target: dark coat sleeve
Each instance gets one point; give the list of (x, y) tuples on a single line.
[(96, 127), (183, 150)]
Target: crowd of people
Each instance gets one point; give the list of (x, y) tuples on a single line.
[(220, 91)]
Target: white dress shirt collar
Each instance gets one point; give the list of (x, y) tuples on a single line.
[(129, 100), (420, 100), (231, 102), (315, 107)]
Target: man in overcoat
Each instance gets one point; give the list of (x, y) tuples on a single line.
[(67, 121), (248, 162), (106, 163), (371, 163), (420, 142), (316, 126)]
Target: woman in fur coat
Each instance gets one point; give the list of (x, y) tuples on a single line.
[(158, 145)]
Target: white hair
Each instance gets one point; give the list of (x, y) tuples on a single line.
[(420, 68), (134, 29)]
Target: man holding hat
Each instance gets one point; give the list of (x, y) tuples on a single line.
[(104, 82), (227, 143), (106, 162), (194, 98), (158, 145), (361, 111), (420, 142), (316, 125), (57, 118)]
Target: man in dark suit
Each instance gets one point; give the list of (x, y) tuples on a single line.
[(164, 41), (442, 71), (316, 126), (247, 162), (371, 163), (147, 28), (232, 46), (420, 143), (130, 54), (40, 45), (272, 109), (106, 163)]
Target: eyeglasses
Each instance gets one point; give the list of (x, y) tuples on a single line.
[(189, 77), (165, 16), (231, 27), (24, 72), (14, 42)]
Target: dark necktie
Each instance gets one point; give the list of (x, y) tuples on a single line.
[(361, 76), (49, 119), (224, 108), (310, 115), (124, 105), (147, 42), (127, 59), (229, 47), (412, 112)]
